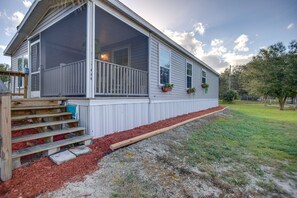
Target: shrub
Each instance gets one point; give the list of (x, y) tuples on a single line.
[(230, 95)]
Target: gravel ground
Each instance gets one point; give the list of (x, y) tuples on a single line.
[(152, 168), (145, 169)]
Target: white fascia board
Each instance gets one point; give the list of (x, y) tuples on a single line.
[(100, 102)]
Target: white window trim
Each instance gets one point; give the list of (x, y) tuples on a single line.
[(188, 75), (203, 70), (120, 48), (159, 73)]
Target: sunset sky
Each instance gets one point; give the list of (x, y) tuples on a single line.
[(220, 32)]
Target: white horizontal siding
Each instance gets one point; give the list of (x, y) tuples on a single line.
[(103, 117)]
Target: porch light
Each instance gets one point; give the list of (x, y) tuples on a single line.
[(104, 57)]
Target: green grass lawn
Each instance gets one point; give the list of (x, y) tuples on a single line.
[(259, 110), (257, 144)]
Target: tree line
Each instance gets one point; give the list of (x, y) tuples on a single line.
[(271, 73)]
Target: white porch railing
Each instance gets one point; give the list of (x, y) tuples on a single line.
[(112, 79), (65, 80)]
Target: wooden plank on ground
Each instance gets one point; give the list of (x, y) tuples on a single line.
[(153, 133)]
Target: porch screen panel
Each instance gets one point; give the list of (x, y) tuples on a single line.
[(63, 45), (121, 54), (35, 65)]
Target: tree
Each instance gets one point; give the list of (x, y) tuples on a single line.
[(4, 67), (236, 81), (273, 72)]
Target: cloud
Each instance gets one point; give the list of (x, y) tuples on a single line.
[(217, 47), (290, 26), (241, 42), (200, 28), (236, 59), (188, 41), (15, 20), (216, 42), (2, 47), (27, 3), (218, 56)]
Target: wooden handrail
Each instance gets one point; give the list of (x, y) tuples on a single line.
[(12, 73), (13, 88)]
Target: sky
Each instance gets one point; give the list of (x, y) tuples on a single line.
[(219, 32)]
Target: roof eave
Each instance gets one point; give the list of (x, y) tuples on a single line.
[(20, 27)]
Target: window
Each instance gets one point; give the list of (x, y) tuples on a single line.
[(164, 63), (204, 76), (189, 75), (22, 63), (121, 56)]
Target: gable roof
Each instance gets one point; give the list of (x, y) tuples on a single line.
[(39, 8)]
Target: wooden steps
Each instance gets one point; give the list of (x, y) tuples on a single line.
[(46, 134), (26, 117), (42, 124), (49, 146), (49, 118)]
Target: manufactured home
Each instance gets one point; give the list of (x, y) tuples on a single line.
[(109, 63)]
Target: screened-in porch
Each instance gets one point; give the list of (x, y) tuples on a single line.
[(114, 63)]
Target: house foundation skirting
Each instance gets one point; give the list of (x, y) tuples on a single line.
[(103, 117)]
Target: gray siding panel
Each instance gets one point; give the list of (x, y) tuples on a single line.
[(178, 76), (23, 50)]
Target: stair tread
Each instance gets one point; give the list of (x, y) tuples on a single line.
[(42, 124), (46, 134), (48, 146), (38, 107), (39, 99), (15, 118)]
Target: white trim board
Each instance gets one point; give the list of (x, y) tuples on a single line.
[(95, 102)]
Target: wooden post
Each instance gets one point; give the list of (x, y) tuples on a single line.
[(5, 132), (26, 86)]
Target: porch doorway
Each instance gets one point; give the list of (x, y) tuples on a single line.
[(35, 68)]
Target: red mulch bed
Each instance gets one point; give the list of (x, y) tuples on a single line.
[(44, 176)]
